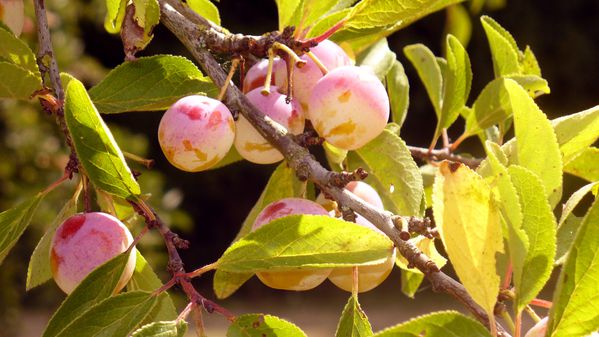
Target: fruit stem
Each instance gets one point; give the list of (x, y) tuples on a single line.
[(183, 315), (532, 314), (199, 322), (508, 276), (355, 279), (541, 303), (202, 270), (139, 236), (457, 143), (271, 59), (223, 90), (296, 59), (518, 327), (148, 163), (508, 320), (57, 183), (316, 60)]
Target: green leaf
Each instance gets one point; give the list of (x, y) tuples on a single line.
[(226, 283), (305, 241), (438, 324), (144, 278), (539, 224), (335, 156), (566, 230), (39, 270), (206, 9), (458, 23), (261, 325), (427, 247), (288, 12), (353, 322), (504, 50), (162, 329), (96, 148), (148, 84), (585, 165), (327, 22), (576, 132), (534, 85), (115, 13), (529, 64), (533, 128), (96, 287), (429, 72), (457, 83), (492, 106), (392, 172), (116, 316), (17, 52), (17, 82), (468, 219), (574, 312), (410, 282), (398, 89), (312, 10), (146, 16), (13, 223), (378, 57)]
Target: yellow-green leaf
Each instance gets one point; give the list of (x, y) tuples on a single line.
[(206, 9), (260, 325), (437, 324), (468, 219), (576, 132), (353, 321)]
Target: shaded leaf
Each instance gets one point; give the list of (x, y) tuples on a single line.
[(96, 148), (17, 82), (398, 89), (378, 57), (391, 171), (438, 324), (574, 311), (534, 85), (96, 287), (585, 165), (426, 246), (144, 278), (260, 325), (307, 241), (13, 223), (410, 282), (468, 220), (162, 329), (149, 83), (116, 316), (17, 52), (226, 283), (492, 106), (429, 72), (458, 23), (353, 321)]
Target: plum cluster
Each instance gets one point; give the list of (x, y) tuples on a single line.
[(347, 106), (369, 277)]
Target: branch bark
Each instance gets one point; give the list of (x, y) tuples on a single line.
[(194, 37)]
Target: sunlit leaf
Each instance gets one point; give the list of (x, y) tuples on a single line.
[(206, 9), (96, 148), (458, 23), (114, 15), (576, 132), (17, 82), (468, 219), (353, 321), (504, 50), (13, 223), (260, 325), (17, 52), (426, 246), (378, 57), (492, 106), (162, 329), (585, 165), (410, 282), (438, 324), (429, 72), (305, 241), (398, 89)]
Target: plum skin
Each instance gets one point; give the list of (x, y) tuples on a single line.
[(196, 132), (256, 75), (304, 79), (249, 142), (349, 107), (296, 279), (85, 241), (371, 276)]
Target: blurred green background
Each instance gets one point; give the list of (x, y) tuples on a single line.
[(207, 208)]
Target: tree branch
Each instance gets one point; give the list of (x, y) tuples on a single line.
[(443, 154), (305, 166)]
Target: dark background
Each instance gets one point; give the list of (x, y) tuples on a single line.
[(563, 35)]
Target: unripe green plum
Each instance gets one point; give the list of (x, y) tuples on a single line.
[(85, 241), (256, 76), (349, 107), (305, 78), (196, 132), (248, 141), (296, 279), (369, 277), (12, 15)]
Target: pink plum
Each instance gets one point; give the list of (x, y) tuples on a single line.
[(85, 241), (248, 141), (256, 76), (295, 279), (349, 107), (196, 132)]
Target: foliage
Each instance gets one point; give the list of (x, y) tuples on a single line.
[(497, 222)]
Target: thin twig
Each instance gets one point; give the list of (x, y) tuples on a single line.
[(438, 155), (306, 167)]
